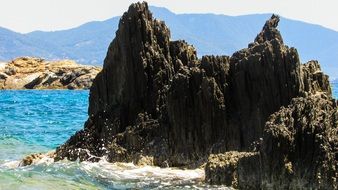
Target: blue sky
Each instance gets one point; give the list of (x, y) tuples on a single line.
[(28, 15)]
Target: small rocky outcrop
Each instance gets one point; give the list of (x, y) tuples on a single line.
[(36, 73), (156, 103), (35, 158), (314, 80)]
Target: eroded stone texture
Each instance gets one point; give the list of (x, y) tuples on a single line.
[(196, 109), (263, 77), (223, 168), (314, 79)]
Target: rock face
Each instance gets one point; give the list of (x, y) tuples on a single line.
[(156, 103), (36, 73)]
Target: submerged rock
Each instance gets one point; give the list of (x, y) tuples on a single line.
[(36, 73), (156, 103), (35, 158)]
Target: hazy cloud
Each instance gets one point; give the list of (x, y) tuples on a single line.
[(29, 15)]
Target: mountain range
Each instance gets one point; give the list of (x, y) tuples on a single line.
[(209, 33)]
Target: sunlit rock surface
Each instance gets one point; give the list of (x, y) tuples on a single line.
[(36, 73)]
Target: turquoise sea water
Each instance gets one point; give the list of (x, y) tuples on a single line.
[(335, 90), (39, 121)]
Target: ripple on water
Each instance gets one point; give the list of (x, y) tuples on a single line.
[(45, 118)]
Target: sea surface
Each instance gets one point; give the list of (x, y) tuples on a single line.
[(335, 90), (39, 121)]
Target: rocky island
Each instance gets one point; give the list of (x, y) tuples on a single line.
[(258, 119), (37, 73)]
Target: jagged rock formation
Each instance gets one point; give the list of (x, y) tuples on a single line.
[(36, 73), (156, 103)]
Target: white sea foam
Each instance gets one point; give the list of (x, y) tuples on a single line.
[(128, 175), (129, 171), (10, 164), (122, 175)]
